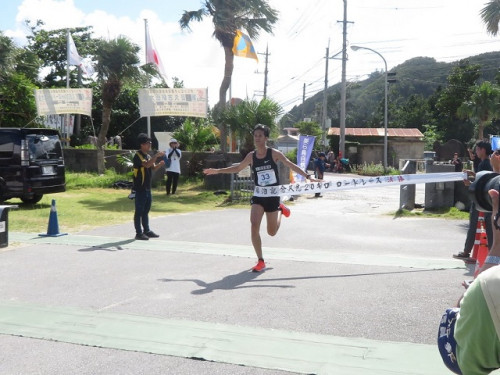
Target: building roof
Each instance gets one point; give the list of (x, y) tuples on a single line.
[(378, 132)]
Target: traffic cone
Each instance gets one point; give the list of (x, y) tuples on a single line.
[(482, 251), (477, 241), (53, 227)]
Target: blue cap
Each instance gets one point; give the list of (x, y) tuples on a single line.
[(446, 340)]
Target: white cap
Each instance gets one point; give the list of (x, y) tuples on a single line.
[(173, 140)]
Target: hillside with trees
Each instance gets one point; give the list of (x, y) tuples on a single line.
[(426, 94)]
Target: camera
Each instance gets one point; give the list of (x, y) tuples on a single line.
[(478, 190)]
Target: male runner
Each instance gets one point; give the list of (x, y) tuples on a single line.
[(263, 162)]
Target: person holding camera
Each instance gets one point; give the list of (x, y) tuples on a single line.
[(483, 151), (143, 165), (173, 166), (468, 335)]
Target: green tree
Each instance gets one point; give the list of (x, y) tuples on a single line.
[(195, 137), (227, 17), (461, 83), (243, 117), (309, 128), (17, 103), (51, 49), (482, 107), (117, 63), (491, 16)]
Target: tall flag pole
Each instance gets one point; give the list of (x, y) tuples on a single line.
[(146, 36)]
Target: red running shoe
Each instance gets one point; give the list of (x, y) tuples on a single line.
[(259, 267), (285, 210)]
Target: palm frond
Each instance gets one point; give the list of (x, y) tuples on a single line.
[(491, 16)]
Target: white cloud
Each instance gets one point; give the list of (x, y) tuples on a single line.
[(445, 29)]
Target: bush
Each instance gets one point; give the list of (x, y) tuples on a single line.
[(375, 170), (292, 155)]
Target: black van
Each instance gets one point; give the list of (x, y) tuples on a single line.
[(31, 164)]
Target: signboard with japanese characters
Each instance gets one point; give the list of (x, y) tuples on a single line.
[(63, 101), (173, 102)]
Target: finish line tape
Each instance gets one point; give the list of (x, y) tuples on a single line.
[(356, 183)]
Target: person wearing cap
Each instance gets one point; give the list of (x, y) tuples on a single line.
[(320, 166), (483, 151), (173, 165), (468, 336), (143, 166)]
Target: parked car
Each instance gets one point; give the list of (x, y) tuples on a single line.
[(31, 164)]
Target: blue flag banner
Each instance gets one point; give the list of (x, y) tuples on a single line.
[(304, 151)]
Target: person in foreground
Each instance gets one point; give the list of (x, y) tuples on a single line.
[(263, 162), (143, 164), (468, 337)]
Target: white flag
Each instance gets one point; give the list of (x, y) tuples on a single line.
[(153, 57), (75, 59), (73, 56)]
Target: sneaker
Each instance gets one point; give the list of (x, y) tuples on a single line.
[(461, 255), (259, 266), (284, 210), (152, 234), (141, 236)]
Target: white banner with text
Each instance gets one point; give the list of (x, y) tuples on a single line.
[(173, 102), (63, 101), (356, 183)]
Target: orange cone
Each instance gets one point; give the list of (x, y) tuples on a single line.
[(482, 251), (477, 240)]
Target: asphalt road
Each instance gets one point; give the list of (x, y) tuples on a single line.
[(349, 289)]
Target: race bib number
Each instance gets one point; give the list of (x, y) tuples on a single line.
[(267, 177)]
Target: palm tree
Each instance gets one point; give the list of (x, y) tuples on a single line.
[(483, 106), (117, 62), (195, 137), (491, 16), (243, 117), (227, 17)]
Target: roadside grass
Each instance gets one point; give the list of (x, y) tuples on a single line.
[(89, 202), (450, 213)]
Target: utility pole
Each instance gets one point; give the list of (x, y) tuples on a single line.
[(327, 56), (266, 71), (343, 84), (303, 99)]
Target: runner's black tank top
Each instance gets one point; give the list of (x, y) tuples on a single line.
[(265, 171)]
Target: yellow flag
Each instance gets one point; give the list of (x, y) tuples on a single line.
[(243, 46)]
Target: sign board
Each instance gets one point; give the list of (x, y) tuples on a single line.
[(63, 101), (173, 102)]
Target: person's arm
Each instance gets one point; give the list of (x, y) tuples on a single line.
[(279, 156), (151, 162), (233, 168), (178, 152), (493, 258)]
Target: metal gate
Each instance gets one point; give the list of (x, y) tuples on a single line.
[(242, 185)]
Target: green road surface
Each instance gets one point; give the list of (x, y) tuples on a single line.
[(266, 348)]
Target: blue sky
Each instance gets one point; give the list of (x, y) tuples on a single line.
[(447, 30)]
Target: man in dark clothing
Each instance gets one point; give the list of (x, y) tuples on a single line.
[(320, 166), (143, 164), (457, 163), (483, 151)]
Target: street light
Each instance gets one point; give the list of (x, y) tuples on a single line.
[(355, 48)]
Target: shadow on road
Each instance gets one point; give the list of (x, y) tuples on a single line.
[(229, 282), (109, 246)]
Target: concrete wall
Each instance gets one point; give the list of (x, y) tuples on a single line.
[(78, 160), (396, 149)]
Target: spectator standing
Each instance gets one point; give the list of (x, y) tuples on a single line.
[(483, 151), (457, 162), (143, 166), (173, 167), (320, 166)]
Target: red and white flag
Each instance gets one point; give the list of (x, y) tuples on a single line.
[(153, 57), (75, 59)]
